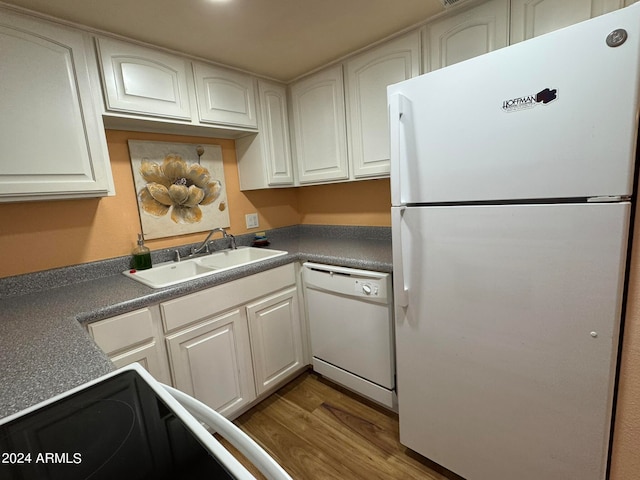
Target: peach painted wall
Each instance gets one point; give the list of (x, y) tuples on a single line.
[(356, 203), (38, 236), (625, 462), (41, 235)]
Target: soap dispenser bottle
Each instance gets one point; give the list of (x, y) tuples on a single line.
[(141, 255)]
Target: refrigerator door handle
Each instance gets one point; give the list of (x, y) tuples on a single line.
[(400, 287), (398, 109)]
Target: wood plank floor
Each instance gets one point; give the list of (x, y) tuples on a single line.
[(317, 430)]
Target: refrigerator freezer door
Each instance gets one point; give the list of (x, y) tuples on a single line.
[(506, 351), (552, 117)]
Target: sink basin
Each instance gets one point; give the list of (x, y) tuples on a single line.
[(172, 273), (240, 256), (166, 274)]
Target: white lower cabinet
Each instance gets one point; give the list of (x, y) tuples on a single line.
[(228, 346), (134, 337), (276, 338), (211, 361), (148, 356)]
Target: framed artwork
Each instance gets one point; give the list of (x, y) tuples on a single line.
[(180, 187)]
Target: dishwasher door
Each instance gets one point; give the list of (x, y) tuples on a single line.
[(351, 328)]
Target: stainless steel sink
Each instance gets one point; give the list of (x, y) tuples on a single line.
[(172, 273)]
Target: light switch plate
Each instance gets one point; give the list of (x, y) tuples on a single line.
[(251, 220)]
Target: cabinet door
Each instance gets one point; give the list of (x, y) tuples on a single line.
[(368, 76), (212, 362), (51, 131), (225, 96), (275, 133), (141, 80), (264, 159), (530, 18), (134, 337), (467, 34), (276, 338), (148, 357), (319, 129)]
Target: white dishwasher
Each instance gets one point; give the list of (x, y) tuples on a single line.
[(350, 315)]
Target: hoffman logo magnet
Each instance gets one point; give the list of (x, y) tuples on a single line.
[(529, 101)]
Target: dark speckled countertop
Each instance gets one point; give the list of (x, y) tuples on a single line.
[(44, 348)]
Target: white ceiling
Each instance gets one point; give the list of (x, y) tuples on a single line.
[(281, 39)]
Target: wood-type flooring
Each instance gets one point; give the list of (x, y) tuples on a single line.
[(317, 430)]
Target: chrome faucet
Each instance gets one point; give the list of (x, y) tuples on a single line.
[(205, 246), (232, 241)]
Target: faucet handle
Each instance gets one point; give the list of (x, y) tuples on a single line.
[(232, 241)]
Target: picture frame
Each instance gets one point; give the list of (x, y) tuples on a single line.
[(180, 187)]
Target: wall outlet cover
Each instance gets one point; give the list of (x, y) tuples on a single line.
[(251, 220)]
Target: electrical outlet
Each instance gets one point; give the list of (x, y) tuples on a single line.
[(252, 220)]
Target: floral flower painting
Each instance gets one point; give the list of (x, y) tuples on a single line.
[(179, 187)]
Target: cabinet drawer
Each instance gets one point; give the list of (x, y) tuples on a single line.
[(192, 308), (121, 332)]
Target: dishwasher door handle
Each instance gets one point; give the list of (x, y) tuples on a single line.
[(345, 282), (346, 271)]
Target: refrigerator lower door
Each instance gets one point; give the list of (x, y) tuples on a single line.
[(506, 350)]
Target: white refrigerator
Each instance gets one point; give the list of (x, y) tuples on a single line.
[(511, 183)]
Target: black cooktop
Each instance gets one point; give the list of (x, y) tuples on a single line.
[(116, 429)]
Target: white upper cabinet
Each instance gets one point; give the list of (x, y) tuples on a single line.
[(467, 34), (51, 131), (367, 78), (146, 89), (530, 18), (319, 127), (275, 128), (225, 96), (264, 159), (140, 80)]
